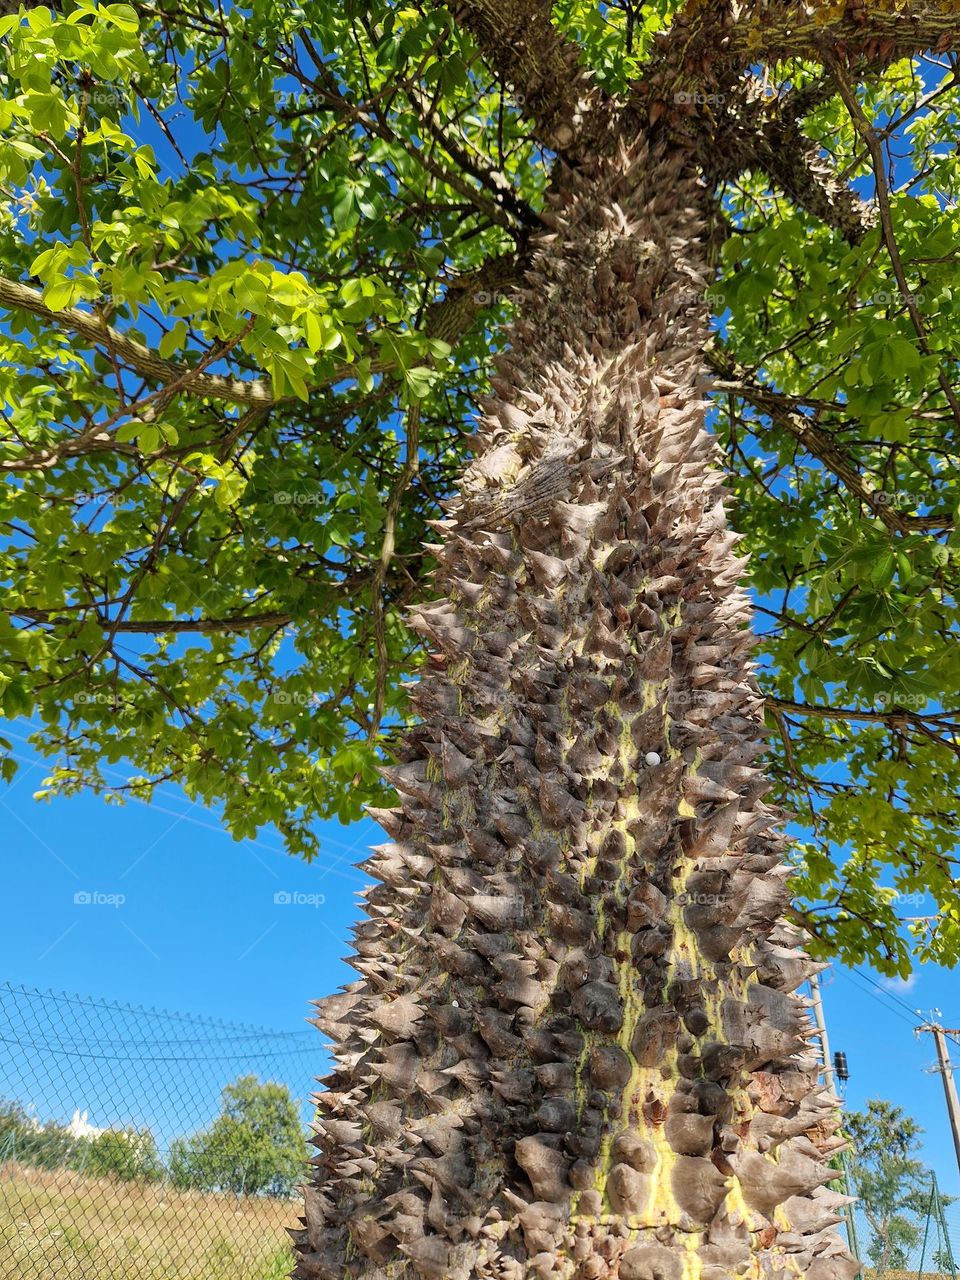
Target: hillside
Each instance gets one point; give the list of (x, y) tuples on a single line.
[(59, 1223)]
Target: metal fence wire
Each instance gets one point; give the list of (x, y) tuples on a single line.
[(137, 1144), (910, 1236)]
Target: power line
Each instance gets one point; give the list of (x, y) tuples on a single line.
[(853, 975), (331, 869), (886, 996), (914, 1013), (850, 976)]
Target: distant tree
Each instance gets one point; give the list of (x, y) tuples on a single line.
[(256, 1146), (12, 1120), (892, 1184), (129, 1155), (944, 1261), (25, 1139)]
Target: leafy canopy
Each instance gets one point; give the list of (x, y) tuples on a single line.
[(254, 262), (892, 1185), (256, 1146)]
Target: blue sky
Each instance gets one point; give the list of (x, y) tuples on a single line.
[(200, 931)]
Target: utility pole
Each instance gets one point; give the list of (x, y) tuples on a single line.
[(946, 1071), (830, 1075), (821, 1025)]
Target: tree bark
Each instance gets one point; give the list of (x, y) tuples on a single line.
[(868, 31), (574, 1050), (528, 53)]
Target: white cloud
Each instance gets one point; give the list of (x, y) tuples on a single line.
[(900, 985)]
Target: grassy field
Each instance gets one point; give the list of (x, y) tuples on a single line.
[(75, 1228)]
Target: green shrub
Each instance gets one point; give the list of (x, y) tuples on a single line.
[(254, 1147), (23, 1138), (129, 1155)]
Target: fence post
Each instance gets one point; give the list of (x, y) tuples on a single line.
[(926, 1226), (942, 1228), (849, 1212)]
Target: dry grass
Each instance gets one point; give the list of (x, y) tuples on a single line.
[(62, 1224), (74, 1228), (868, 1273)]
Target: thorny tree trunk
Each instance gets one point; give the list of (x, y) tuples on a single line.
[(573, 1051)]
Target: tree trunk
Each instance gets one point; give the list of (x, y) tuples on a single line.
[(573, 1051)]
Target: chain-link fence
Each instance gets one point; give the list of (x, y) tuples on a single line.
[(902, 1232), (137, 1144)]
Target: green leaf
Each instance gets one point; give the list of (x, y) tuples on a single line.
[(16, 699), (62, 293), (345, 212), (173, 340), (123, 16)]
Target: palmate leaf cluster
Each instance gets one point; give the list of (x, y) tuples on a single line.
[(855, 547), (261, 215), (330, 203)]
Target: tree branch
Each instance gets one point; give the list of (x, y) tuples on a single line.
[(15, 296), (896, 715), (793, 162), (407, 474), (819, 444), (520, 43), (869, 135), (877, 34), (448, 319), (168, 626)]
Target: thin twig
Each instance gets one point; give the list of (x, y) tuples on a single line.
[(869, 135), (411, 465)]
